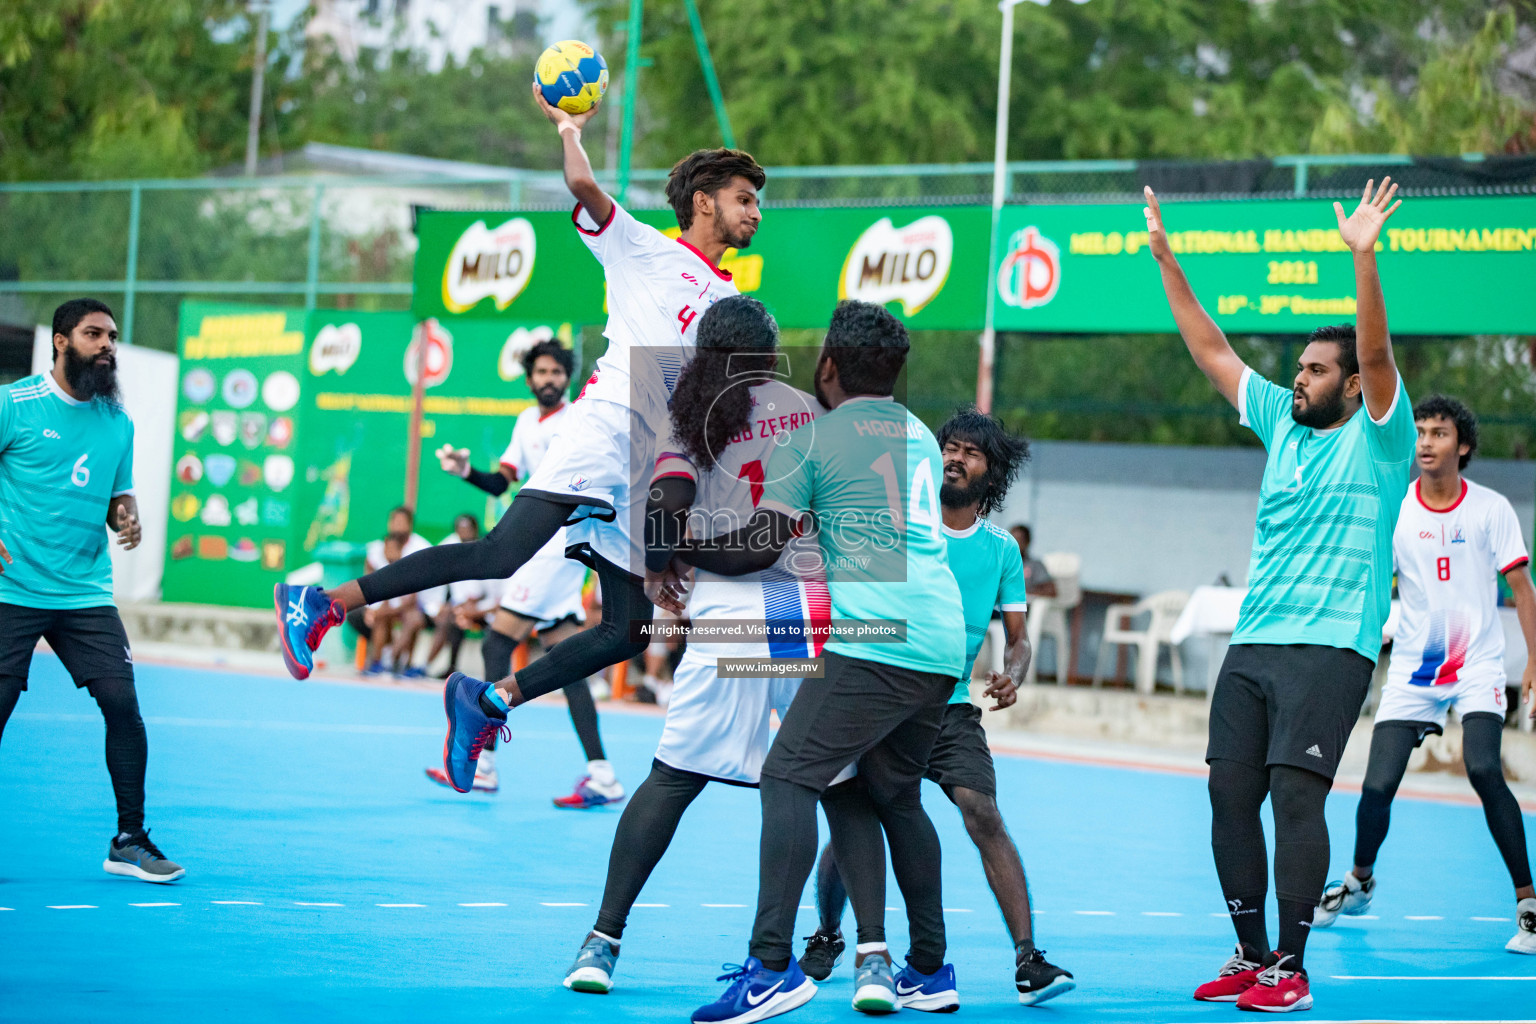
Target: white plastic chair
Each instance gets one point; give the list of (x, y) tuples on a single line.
[(1163, 608), (1049, 616)]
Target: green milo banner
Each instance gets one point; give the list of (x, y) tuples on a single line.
[(292, 430), (927, 264), (1448, 266)]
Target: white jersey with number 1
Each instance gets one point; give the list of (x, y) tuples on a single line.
[(1449, 645)]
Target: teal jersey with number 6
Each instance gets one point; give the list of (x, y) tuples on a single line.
[(869, 472), (986, 562), (62, 462)]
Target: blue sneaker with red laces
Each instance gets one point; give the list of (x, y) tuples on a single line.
[(304, 615), (469, 729), (756, 993)]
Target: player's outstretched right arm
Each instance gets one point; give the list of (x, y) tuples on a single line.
[(578, 169), (1205, 340)]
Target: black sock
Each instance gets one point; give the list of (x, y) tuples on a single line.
[(1023, 948), (490, 709), (1295, 926), (1237, 792)]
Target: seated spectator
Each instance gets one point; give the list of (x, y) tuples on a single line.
[(1037, 580), (439, 604), (399, 540)]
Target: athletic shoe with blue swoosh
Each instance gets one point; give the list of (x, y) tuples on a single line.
[(304, 614), (469, 729), (934, 993), (756, 993)]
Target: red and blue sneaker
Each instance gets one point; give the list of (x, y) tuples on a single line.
[(304, 614), (592, 791), (756, 993), (933, 993), (469, 729)]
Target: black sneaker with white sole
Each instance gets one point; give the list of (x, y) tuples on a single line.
[(1039, 980), (823, 952), (134, 856)]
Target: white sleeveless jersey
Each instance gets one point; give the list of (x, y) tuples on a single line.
[(1447, 568), (658, 287), (727, 495), (531, 434)]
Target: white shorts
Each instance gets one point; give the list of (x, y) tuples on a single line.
[(1478, 690), (548, 586), (719, 727), (603, 456)]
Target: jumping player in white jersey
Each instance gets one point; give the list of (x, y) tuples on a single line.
[(545, 594), (728, 413), (593, 477), (1454, 538)]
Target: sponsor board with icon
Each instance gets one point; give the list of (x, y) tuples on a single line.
[(292, 430)]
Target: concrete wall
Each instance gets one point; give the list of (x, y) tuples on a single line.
[(1150, 517)]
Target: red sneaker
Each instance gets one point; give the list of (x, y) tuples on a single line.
[(1279, 989), (1237, 976)]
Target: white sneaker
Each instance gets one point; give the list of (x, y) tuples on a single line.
[(1525, 939), (486, 779), (1348, 896)]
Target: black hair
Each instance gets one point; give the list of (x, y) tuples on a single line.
[(712, 401), (1006, 453), (467, 517), (402, 510), (1342, 335), (1446, 407), (68, 316), (1029, 535), (868, 345), (708, 171), (555, 351)]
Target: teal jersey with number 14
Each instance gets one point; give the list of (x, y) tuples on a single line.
[(869, 471), (62, 462)]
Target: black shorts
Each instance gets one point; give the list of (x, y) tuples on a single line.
[(89, 641), (860, 707), (960, 755), (1292, 704)]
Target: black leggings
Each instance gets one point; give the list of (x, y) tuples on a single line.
[(497, 650), (1297, 798), (1481, 736), (127, 746), (645, 831)]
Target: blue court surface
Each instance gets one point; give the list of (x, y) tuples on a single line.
[(328, 880)]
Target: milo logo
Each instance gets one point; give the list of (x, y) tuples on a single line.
[(493, 263), (907, 265)]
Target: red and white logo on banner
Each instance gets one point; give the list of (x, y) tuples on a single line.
[(1031, 269), (439, 354)]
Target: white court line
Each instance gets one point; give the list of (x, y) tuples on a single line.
[(154, 904), (1434, 977), (667, 904), (7, 908), (1217, 913), (1490, 919), (399, 904), (234, 903), (1160, 913), (486, 904), (1422, 917), (1095, 913), (301, 903), (733, 906), (1366, 917), (74, 906), (959, 910), (562, 904)]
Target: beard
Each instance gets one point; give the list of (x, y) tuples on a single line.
[(87, 379), (962, 495), (1321, 414), (740, 239), (548, 396)]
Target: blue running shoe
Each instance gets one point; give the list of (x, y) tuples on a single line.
[(593, 969), (304, 614), (469, 729), (756, 993), (933, 993), (874, 990)]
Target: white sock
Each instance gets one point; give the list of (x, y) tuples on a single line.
[(606, 938), (601, 772), (487, 762), (866, 948)]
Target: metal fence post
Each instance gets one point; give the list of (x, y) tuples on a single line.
[(131, 270), (515, 192), (312, 274), (1301, 177)]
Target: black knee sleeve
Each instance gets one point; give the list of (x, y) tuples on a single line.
[(496, 650), (592, 650), (127, 748), (1481, 738)]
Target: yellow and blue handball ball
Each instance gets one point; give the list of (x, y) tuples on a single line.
[(571, 75)]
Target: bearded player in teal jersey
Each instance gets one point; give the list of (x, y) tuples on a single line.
[(981, 461), (66, 475), (867, 473)]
